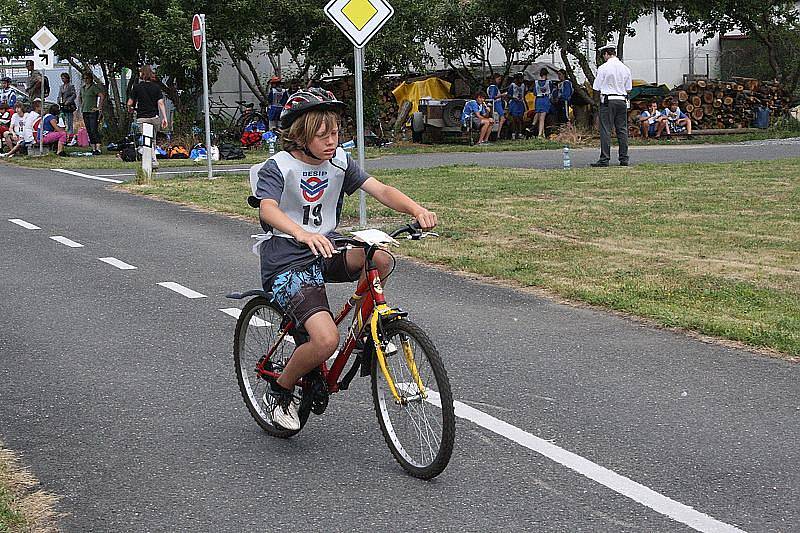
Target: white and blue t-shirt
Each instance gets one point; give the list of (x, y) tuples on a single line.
[(311, 196)]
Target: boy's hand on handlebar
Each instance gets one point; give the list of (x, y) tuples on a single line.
[(319, 244), (427, 219)]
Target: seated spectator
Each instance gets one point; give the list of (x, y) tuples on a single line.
[(479, 116), (6, 113), (14, 134), (7, 93), (677, 120), (26, 138), (53, 133), (652, 122)]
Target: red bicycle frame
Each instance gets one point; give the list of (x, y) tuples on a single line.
[(370, 292)]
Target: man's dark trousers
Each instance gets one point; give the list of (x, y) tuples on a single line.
[(613, 114)]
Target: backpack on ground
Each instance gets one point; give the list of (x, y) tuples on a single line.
[(228, 151), (178, 151), (128, 153)]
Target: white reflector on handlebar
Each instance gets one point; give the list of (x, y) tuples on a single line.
[(374, 236)]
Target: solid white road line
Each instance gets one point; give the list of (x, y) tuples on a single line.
[(20, 222), (180, 289), (178, 172), (113, 261), (608, 478), (82, 175), (68, 242)]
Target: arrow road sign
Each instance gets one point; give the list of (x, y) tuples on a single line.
[(44, 39), (42, 59), (359, 20)]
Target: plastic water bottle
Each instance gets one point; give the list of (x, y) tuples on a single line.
[(272, 146), (567, 160)]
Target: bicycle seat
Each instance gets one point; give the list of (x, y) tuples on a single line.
[(241, 102), (247, 294)]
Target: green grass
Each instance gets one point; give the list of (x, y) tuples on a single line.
[(713, 248), (11, 518)]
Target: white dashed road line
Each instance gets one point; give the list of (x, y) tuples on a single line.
[(67, 242), (620, 484), (255, 321), (20, 222), (113, 261), (180, 289), (82, 175)]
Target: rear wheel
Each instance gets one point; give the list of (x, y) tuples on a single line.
[(419, 430), (257, 330)]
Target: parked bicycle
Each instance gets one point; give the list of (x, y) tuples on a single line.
[(410, 388), (231, 121)]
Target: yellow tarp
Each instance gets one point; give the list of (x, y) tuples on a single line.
[(433, 87)]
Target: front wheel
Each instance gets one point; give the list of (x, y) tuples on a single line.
[(420, 429)]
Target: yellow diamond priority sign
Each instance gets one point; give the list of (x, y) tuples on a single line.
[(359, 20)]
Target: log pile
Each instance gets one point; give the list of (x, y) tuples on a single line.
[(387, 107), (715, 104)]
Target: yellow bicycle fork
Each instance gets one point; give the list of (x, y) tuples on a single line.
[(407, 352)]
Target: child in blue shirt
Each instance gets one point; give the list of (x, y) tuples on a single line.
[(496, 97), (516, 105), (678, 120), (479, 115)]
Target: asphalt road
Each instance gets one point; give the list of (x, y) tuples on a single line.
[(544, 159), (121, 396)]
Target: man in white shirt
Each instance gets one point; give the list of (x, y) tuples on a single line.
[(613, 81)]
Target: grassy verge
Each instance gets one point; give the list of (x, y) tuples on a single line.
[(111, 161), (713, 248), (22, 508)]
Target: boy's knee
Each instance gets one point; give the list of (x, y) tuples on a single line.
[(384, 263), (327, 341)]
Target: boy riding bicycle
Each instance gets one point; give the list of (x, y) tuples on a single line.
[(301, 191)]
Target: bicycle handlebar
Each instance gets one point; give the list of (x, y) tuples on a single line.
[(413, 229)]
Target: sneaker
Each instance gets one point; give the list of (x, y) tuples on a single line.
[(73, 142), (283, 409), (96, 152), (599, 164)]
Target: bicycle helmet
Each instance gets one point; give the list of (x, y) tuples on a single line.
[(307, 99)]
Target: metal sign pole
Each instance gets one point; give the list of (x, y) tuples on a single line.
[(205, 98), (358, 56), (41, 118)]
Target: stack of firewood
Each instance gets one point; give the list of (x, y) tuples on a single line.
[(344, 89), (732, 104)]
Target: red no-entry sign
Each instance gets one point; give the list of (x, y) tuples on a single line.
[(197, 32)]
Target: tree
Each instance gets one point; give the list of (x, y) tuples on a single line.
[(569, 24), (774, 24), (466, 29)]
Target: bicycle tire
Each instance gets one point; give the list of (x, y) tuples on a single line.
[(263, 319), (392, 416), (244, 120)]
